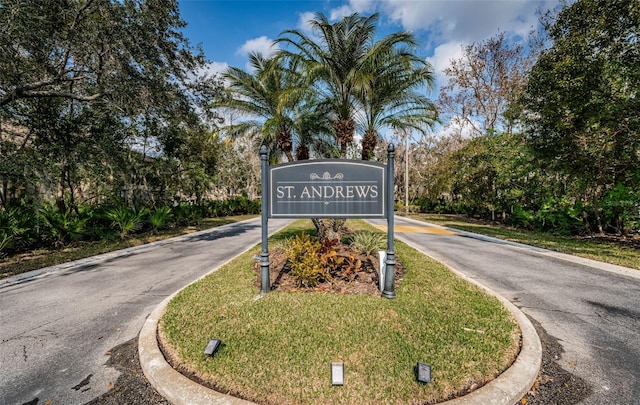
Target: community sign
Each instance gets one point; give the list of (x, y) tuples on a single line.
[(327, 188)]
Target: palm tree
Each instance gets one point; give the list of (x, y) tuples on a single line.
[(314, 131), (393, 98), (334, 65), (267, 98), (352, 73), (344, 65)]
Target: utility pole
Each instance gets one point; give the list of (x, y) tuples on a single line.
[(406, 171)]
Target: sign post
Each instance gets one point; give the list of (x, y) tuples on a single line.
[(264, 255), (328, 188), (389, 288)]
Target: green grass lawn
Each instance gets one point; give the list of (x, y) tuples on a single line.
[(279, 348), (607, 252)]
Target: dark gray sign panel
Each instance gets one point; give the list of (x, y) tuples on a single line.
[(327, 188)]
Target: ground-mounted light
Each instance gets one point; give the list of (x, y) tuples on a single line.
[(423, 372), (337, 374), (211, 348)]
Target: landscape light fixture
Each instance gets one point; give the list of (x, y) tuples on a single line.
[(212, 347), (337, 374), (423, 371)]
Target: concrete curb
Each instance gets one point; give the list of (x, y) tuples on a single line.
[(169, 383), (506, 389), (509, 387)]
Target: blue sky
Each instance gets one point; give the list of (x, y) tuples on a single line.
[(229, 29)]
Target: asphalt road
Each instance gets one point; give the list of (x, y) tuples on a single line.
[(58, 326), (592, 309)]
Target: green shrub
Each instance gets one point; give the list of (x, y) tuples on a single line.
[(186, 214), (160, 218), (5, 238), (16, 228), (99, 226), (367, 242), (10, 228), (621, 208), (233, 206), (521, 218), (62, 227), (559, 216), (307, 261), (125, 219)]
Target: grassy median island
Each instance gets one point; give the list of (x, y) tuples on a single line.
[(279, 348)]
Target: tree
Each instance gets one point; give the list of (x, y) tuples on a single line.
[(491, 173), (393, 98), (334, 63), (83, 82), (238, 174), (266, 97), (279, 109), (343, 62), (313, 130), (357, 76), (87, 50), (582, 99), (483, 87), (435, 173)]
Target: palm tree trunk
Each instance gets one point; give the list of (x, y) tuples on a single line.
[(285, 144), (331, 229), (369, 142), (302, 152), (344, 130)]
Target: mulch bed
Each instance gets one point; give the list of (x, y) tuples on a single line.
[(364, 281)]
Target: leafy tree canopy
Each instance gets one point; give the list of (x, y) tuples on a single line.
[(84, 83), (583, 94), (583, 99)]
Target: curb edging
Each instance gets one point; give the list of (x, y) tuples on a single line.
[(169, 383)]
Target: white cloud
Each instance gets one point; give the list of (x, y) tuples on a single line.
[(337, 13), (361, 6), (303, 21), (261, 44), (215, 68), (441, 59), (463, 21), (447, 25)]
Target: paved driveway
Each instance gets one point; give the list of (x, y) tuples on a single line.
[(57, 326), (593, 309)]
